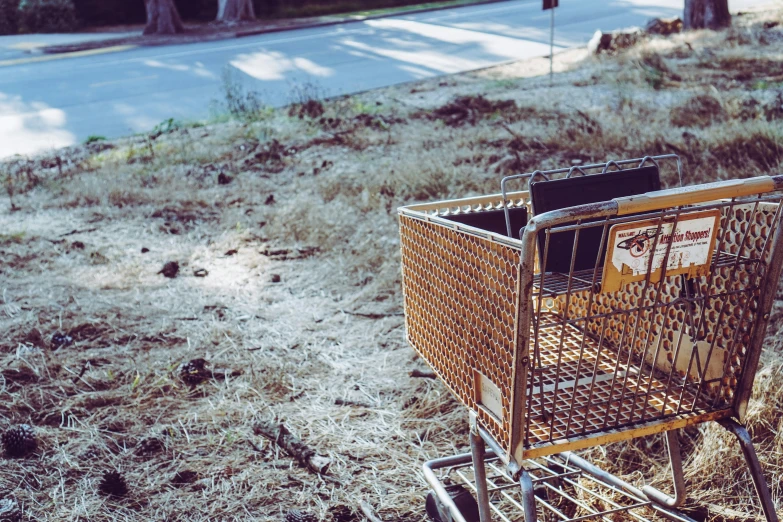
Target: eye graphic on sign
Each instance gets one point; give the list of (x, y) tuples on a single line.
[(639, 244)]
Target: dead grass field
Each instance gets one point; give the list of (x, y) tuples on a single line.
[(300, 314)]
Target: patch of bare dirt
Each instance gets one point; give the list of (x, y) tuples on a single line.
[(471, 109)]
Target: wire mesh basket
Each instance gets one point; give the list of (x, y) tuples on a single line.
[(600, 322)]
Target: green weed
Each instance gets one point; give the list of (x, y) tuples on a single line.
[(94, 138), (15, 237), (239, 102)]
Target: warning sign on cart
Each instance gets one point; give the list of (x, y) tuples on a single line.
[(641, 246)]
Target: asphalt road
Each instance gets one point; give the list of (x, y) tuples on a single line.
[(62, 102)]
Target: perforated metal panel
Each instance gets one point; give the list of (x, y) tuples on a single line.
[(460, 301)]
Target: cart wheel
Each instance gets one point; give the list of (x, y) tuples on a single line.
[(462, 498)]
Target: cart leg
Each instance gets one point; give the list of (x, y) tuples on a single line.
[(477, 447), (752, 459), (675, 459), (528, 497)]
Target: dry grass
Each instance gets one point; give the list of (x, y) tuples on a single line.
[(307, 309)]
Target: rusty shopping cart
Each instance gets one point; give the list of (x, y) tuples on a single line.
[(564, 327)]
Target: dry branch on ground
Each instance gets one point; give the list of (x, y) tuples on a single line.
[(304, 454)]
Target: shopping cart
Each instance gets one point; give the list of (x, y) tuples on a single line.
[(587, 325)]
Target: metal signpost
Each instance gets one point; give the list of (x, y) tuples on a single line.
[(551, 4)]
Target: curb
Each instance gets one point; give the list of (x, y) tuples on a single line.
[(69, 54), (70, 49)]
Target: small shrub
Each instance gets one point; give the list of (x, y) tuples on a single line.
[(165, 127), (92, 138), (699, 111), (755, 151), (301, 93), (47, 16), (266, 8), (111, 12), (201, 10), (239, 102), (656, 70), (9, 20)]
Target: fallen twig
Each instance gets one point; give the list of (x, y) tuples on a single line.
[(78, 377), (347, 402), (280, 435), (510, 131), (74, 232), (290, 254), (82, 372), (423, 374), (373, 315), (369, 513), (707, 509)]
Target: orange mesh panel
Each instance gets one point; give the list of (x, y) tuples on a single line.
[(460, 302)]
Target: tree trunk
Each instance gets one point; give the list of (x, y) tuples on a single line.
[(235, 10), (706, 14), (162, 17)]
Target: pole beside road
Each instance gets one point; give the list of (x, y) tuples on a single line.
[(551, 5)]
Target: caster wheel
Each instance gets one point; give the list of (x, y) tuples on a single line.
[(462, 498)]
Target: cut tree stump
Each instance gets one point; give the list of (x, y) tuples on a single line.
[(706, 14), (280, 435)]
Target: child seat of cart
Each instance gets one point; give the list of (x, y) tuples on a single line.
[(562, 193), (493, 220), (570, 192)]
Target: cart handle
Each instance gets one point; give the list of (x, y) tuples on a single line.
[(697, 194)]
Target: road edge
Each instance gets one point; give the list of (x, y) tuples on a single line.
[(92, 51)]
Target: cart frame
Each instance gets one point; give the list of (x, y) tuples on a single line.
[(510, 427)]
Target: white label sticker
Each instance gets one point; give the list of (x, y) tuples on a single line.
[(489, 396)]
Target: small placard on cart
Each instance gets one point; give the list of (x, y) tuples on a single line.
[(631, 245), (488, 396)]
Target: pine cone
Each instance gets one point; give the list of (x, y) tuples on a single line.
[(194, 372), (170, 269), (60, 339), (295, 515), (9, 510), (113, 484), (19, 441)]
